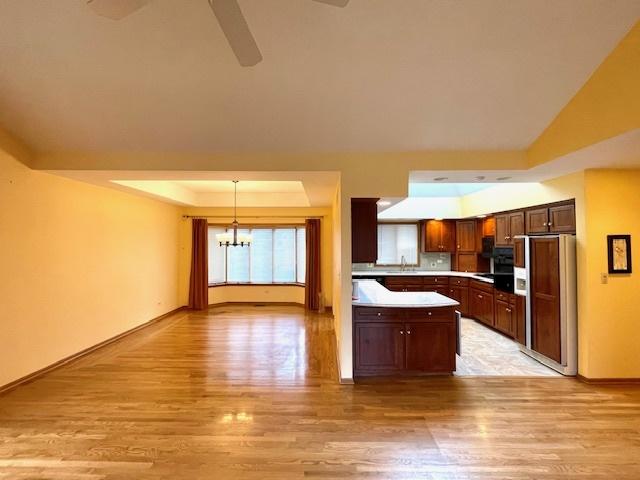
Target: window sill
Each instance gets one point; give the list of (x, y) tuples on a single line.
[(233, 284)]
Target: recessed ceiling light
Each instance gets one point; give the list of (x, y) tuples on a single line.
[(439, 179), (502, 179), (384, 203), (480, 177)]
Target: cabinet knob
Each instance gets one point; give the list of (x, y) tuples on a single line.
[(408, 332), (508, 310), (550, 224), (429, 313), (506, 238), (401, 332), (436, 280), (451, 290), (479, 296), (379, 314), (544, 224)]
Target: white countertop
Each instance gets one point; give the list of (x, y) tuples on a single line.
[(418, 273), (372, 294)]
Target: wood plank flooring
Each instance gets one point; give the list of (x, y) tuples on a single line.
[(251, 393)]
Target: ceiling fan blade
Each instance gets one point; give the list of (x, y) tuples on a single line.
[(116, 9), (235, 28), (335, 3)]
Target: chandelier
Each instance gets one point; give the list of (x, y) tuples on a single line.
[(233, 238)]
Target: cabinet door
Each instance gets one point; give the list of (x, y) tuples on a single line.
[(467, 262), (431, 347), (519, 319), (537, 221), (504, 317), (545, 297), (518, 253), (364, 230), (489, 227), (502, 230), (481, 306), (562, 219), (460, 295), (448, 236), (466, 236), (433, 236), (379, 347), (516, 225)]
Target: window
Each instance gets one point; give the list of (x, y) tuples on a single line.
[(396, 241), (276, 255)]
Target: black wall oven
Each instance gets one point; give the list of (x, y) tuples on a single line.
[(503, 269)]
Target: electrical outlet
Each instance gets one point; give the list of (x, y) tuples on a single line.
[(604, 278)]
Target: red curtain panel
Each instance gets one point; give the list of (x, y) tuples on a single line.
[(199, 281)]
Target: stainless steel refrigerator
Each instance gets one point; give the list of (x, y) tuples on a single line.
[(546, 276)]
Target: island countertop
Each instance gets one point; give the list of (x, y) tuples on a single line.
[(372, 294)]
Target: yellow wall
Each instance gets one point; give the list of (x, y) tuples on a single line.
[(610, 311), (259, 216), (80, 264), (606, 106)]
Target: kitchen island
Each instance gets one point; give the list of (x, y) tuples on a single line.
[(403, 333)]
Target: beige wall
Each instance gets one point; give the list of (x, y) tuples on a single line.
[(259, 216), (80, 264)]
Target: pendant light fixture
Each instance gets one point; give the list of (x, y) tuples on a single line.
[(233, 238)]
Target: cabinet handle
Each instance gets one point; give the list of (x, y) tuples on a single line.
[(508, 310), (479, 296), (401, 332)]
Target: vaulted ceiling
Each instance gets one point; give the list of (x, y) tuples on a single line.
[(378, 75)]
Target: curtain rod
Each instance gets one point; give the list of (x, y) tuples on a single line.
[(251, 216)]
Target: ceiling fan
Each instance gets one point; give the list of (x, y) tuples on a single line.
[(229, 16)]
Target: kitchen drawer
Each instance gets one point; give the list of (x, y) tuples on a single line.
[(484, 286), (436, 281), (377, 314), (502, 296), (430, 314), (458, 281), (512, 299)]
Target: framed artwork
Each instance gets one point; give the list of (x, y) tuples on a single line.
[(619, 248)]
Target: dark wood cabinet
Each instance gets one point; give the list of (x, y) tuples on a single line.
[(562, 219), (404, 341), (508, 225), (545, 297), (467, 262), (481, 305), (439, 236), (364, 230), (518, 253), (379, 347), (430, 347), (489, 227), (404, 284), (504, 317), (466, 236), (461, 295), (537, 221), (520, 307)]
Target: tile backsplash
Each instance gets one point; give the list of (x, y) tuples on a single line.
[(428, 262)]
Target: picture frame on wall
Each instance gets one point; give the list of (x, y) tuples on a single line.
[(619, 252)]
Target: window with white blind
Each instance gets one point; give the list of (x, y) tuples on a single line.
[(395, 241), (276, 255)]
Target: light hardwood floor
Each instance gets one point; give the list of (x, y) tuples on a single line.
[(251, 393)]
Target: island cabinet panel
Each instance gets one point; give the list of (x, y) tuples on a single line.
[(430, 347), (404, 341), (379, 347), (364, 230)]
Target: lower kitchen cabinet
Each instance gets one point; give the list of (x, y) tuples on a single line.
[(481, 306), (430, 347), (460, 295), (404, 341), (504, 317), (379, 347), (520, 311)]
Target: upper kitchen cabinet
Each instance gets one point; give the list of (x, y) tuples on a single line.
[(508, 225), (489, 227), (364, 230), (466, 236), (439, 236), (558, 218)]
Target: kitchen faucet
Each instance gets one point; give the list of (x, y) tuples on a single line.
[(403, 263)]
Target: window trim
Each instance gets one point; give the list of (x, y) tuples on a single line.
[(417, 224), (260, 284)]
